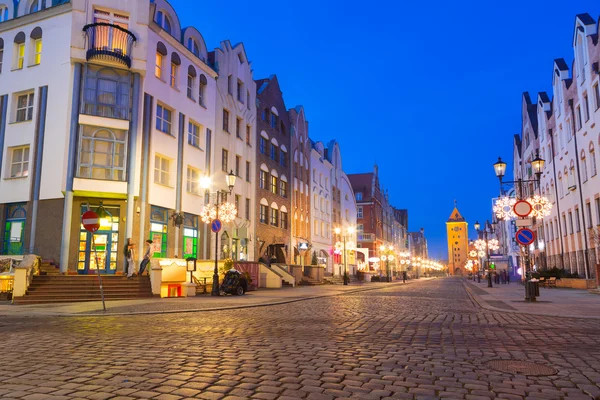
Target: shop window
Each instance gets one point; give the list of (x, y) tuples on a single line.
[(190, 235), (158, 231), (100, 250)]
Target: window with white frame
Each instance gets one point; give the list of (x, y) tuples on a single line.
[(193, 180), (264, 211), (36, 46), (19, 163), (161, 170), (102, 153), (3, 13), (24, 107), (191, 82), (202, 89), (173, 75), (263, 179), (274, 217), (20, 55), (158, 65), (194, 134), (359, 196), (283, 188), (359, 212), (163, 119), (192, 46), (1, 53), (274, 184), (163, 21)]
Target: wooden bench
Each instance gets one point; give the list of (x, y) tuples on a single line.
[(551, 282), (543, 282)]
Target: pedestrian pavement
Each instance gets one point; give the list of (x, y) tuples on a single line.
[(204, 302), (558, 302)]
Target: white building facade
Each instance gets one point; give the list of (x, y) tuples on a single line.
[(321, 205)]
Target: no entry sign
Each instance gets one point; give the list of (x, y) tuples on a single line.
[(525, 236), (90, 221), (522, 208)]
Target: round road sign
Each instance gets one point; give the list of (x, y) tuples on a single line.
[(90, 221), (525, 236), (522, 208), (216, 225)]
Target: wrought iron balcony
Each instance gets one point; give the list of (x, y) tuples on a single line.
[(109, 42)]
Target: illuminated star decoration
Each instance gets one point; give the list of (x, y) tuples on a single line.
[(504, 208), (208, 213), (541, 206), (227, 212), (493, 244), (480, 245), (472, 253)]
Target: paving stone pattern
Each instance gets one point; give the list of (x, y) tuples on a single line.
[(427, 340)]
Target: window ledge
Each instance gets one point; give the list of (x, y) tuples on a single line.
[(202, 105), (20, 122), (33, 65), (12, 178), (196, 147), (193, 100), (163, 185), (16, 69)]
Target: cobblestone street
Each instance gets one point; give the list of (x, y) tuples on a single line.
[(425, 340)]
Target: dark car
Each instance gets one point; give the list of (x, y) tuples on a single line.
[(234, 283)]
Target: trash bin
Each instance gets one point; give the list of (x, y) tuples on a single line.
[(533, 290)]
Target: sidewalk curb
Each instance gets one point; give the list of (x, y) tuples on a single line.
[(267, 304), (482, 304)]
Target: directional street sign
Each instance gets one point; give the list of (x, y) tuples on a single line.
[(216, 225), (525, 236), (90, 221), (522, 208)]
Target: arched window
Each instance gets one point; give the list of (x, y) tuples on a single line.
[(102, 154), (561, 188), (175, 63), (19, 50), (34, 6), (36, 41), (593, 160), (202, 90), (191, 82), (3, 13), (584, 170), (1, 53), (163, 21), (161, 53), (192, 46)]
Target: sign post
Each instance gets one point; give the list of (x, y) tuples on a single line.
[(91, 223)]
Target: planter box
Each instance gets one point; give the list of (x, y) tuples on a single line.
[(575, 283)]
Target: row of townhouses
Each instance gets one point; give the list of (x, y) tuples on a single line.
[(563, 129), (114, 106)]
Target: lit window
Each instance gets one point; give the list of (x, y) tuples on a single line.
[(37, 56), (20, 55), (274, 217), (161, 170), (193, 179), (102, 153), (263, 180), (173, 77), (158, 67), (274, 184), (19, 165)]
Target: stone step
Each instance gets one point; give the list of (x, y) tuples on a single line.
[(26, 300)]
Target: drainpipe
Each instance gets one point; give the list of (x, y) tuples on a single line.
[(562, 246), (3, 109), (179, 177), (146, 126), (39, 152), (133, 132), (68, 206), (585, 239)]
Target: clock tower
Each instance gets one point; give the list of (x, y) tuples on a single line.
[(458, 243)]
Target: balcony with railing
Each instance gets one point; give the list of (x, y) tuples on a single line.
[(109, 42)]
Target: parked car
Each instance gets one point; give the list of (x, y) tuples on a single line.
[(234, 283)]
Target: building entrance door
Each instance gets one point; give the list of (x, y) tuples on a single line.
[(106, 240)]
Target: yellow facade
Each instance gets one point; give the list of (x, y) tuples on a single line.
[(457, 231)]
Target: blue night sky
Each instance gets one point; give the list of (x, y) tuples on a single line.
[(430, 90)]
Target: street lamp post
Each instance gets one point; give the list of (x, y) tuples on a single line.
[(222, 210), (349, 231), (538, 165), (487, 245), (387, 256)]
